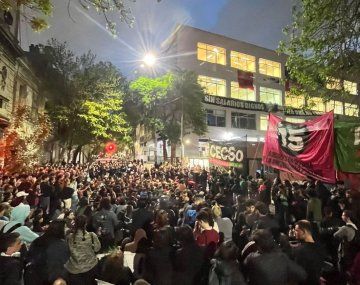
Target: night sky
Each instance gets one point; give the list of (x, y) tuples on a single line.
[(255, 21)]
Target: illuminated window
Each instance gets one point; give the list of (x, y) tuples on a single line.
[(337, 106), (243, 121), (316, 104), (213, 86), (295, 120), (294, 101), (333, 83), (269, 67), (216, 118), (351, 110), (263, 122), (211, 53), (242, 61), (242, 93), (270, 96), (350, 87)]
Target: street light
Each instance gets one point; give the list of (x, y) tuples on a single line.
[(149, 59)]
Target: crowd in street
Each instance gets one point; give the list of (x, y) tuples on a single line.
[(124, 222)]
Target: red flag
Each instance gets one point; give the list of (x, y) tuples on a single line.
[(305, 149), (245, 79)]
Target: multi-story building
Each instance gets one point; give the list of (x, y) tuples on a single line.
[(18, 83), (240, 111)]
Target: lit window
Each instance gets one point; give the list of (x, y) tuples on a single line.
[(351, 110), (211, 53), (350, 87), (269, 67), (337, 106), (213, 86), (295, 120), (333, 83), (216, 118), (243, 121), (242, 61), (294, 101), (263, 122), (242, 93), (316, 104), (270, 96)]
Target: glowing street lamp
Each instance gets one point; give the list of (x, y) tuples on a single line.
[(149, 59)]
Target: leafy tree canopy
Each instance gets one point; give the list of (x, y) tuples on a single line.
[(323, 45)]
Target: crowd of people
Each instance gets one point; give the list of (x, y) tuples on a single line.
[(124, 222)]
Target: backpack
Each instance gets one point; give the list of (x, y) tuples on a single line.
[(13, 228), (355, 242), (190, 217)]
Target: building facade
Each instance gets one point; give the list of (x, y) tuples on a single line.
[(236, 111)]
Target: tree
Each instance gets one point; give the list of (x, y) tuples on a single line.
[(85, 97), (323, 44), (23, 141), (168, 98), (35, 10)]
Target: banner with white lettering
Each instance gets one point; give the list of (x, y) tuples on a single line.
[(231, 153)]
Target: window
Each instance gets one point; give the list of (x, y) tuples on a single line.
[(333, 83), (211, 53), (271, 96), (295, 120), (263, 122), (213, 86), (350, 87), (294, 101), (316, 104), (242, 93), (243, 121), (269, 67), (215, 118), (242, 61), (337, 106), (351, 109)]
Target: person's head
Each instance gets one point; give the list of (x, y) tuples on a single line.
[(264, 241), (59, 281), (184, 235), (5, 209), (328, 212), (261, 208), (216, 211), (80, 223), (161, 218), (250, 206), (303, 230), (56, 229), (113, 264), (10, 243), (204, 219), (346, 216), (228, 251), (69, 214), (105, 204)]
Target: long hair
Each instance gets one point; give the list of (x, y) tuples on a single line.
[(80, 225)]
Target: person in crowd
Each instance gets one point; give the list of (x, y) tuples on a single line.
[(189, 258), (47, 255), (204, 231), (141, 217), (114, 271), (345, 235), (260, 265), (225, 268), (17, 223), (309, 254), (10, 262), (83, 246), (159, 267), (5, 210), (314, 206), (225, 225), (105, 222)]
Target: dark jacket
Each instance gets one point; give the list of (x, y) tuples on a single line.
[(10, 271), (273, 268), (187, 264), (225, 273), (141, 219), (159, 267)]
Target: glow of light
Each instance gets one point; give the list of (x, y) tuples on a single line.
[(227, 136), (149, 59), (187, 141)]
